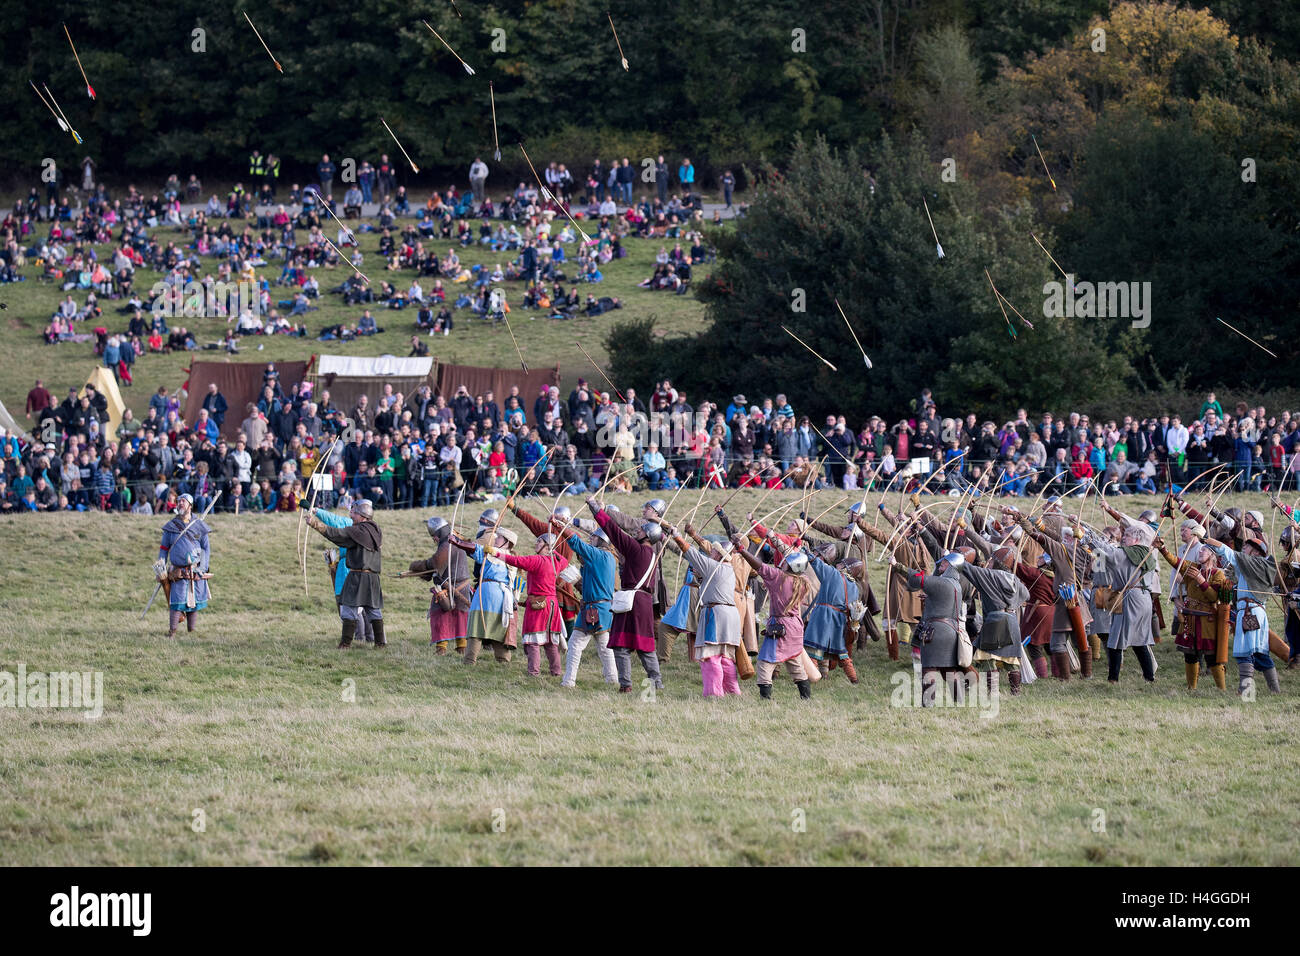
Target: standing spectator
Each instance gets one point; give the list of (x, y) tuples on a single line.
[(1176, 438), (366, 180), (611, 180), (661, 179), (626, 176), (478, 173), (385, 178), (325, 174), (215, 404), (728, 185), (38, 399), (686, 176)]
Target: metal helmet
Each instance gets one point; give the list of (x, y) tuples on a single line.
[(856, 510), (657, 505), (546, 541), (563, 512), (652, 531), (614, 509), (363, 507), (1234, 514), (439, 528), (1003, 559), (969, 554), (953, 559), (488, 518), (1258, 518), (1288, 538), (1149, 516), (599, 537), (796, 562)]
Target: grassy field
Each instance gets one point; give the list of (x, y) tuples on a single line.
[(439, 763), (473, 342)]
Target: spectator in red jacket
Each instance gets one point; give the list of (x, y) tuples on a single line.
[(1081, 472)]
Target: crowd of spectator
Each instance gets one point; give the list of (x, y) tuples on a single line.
[(421, 450), (228, 243), (424, 449)]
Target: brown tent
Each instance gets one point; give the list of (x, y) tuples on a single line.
[(448, 378), (239, 383)]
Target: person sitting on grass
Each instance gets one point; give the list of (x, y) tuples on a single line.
[(366, 324)]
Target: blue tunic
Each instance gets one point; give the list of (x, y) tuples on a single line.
[(192, 551), (1245, 643), (824, 631), (598, 570), (679, 615), (494, 600)]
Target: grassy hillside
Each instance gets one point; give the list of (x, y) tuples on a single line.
[(246, 721), (473, 342)]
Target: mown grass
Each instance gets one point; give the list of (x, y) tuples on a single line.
[(543, 342), (246, 721)]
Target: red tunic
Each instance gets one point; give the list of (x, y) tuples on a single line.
[(569, 599), (634, 628), (1036, 615), (542, 571)]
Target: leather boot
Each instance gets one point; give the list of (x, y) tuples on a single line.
[(460, 644), (1061, 665), (349, 632), (1193, 669), (379, 633), (1094, 641), (472, 648), (891, 642), (805, 688), (1085, 664), (992, 680), (1273, 681), (765, 691), (1245, 677), (1040, 667), (1220, 674), (1013, 678), (850, 671), (441, 648)]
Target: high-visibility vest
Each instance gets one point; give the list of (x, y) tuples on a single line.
[(273, 169), (255, 162)]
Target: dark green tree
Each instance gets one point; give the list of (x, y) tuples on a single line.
[(821, 232)]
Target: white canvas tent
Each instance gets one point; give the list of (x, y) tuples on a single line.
[(347, 377), (10, 424)]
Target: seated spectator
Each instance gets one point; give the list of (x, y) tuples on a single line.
[(352, 203)]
